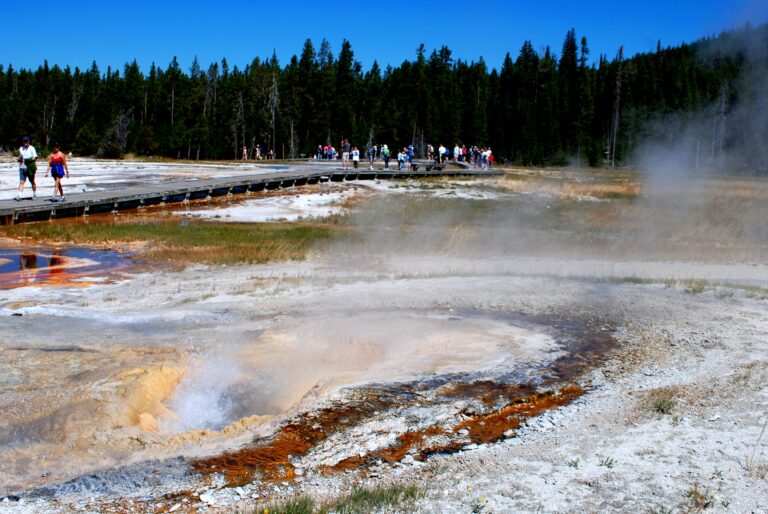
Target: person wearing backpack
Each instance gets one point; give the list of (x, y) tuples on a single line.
[(371, 156), (27, 167), (385, 156)]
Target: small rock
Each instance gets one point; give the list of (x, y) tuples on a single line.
[(472, 446), (509, 433), (463, 432), (175, 507), (298, 479), (208, 498), (240, 491), (255, 496), (299, 472), (408, 459)]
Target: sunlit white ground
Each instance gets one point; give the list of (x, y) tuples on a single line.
[(288, 207), (88, 174)]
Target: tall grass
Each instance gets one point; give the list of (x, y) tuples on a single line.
[(181, 243)]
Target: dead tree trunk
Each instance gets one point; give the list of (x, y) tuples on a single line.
[(616, 109)]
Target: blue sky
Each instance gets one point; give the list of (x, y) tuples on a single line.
[(76, 32)]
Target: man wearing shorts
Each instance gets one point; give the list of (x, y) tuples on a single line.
[(27, 167), (345, 154)]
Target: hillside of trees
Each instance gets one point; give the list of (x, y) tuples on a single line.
[(539, 108)]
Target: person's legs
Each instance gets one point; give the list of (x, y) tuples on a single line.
[(57, 187), (22, 181)]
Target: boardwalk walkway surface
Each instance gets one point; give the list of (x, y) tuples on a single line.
[(79, 204)]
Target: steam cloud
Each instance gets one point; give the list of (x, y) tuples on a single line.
[(729, 134)]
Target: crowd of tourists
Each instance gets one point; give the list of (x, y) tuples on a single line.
[(257, 153), (477, 156)]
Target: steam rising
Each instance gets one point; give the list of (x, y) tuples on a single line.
[(727, 136), (316, 354)]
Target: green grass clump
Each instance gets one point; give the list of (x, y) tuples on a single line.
[(664, 405), (375, 500), (663, 400), (607, 462), (396, 498)]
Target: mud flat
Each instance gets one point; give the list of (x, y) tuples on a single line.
[(499, 377)]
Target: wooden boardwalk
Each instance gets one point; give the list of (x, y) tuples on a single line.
[(81, 204)]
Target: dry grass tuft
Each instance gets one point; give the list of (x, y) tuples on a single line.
[(662, 400)]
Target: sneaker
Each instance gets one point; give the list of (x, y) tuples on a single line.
[(62, 199), (54, 199), (17, 198), (34, 195)]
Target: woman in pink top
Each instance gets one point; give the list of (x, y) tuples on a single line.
[(57, 165)]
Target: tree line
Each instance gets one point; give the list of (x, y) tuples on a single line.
[(538, 108)]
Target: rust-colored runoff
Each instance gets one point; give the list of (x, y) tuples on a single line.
[(491, 427), (482, 428), (271, 461)]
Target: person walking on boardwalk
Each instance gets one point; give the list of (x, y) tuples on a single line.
[(371, 156), (27, 167), (345, 149), (385, 156), (57, 165)]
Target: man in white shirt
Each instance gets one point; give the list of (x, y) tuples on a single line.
[(27, 166)]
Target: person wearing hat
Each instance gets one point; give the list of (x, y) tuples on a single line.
[(57, 165), (27, 166)]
